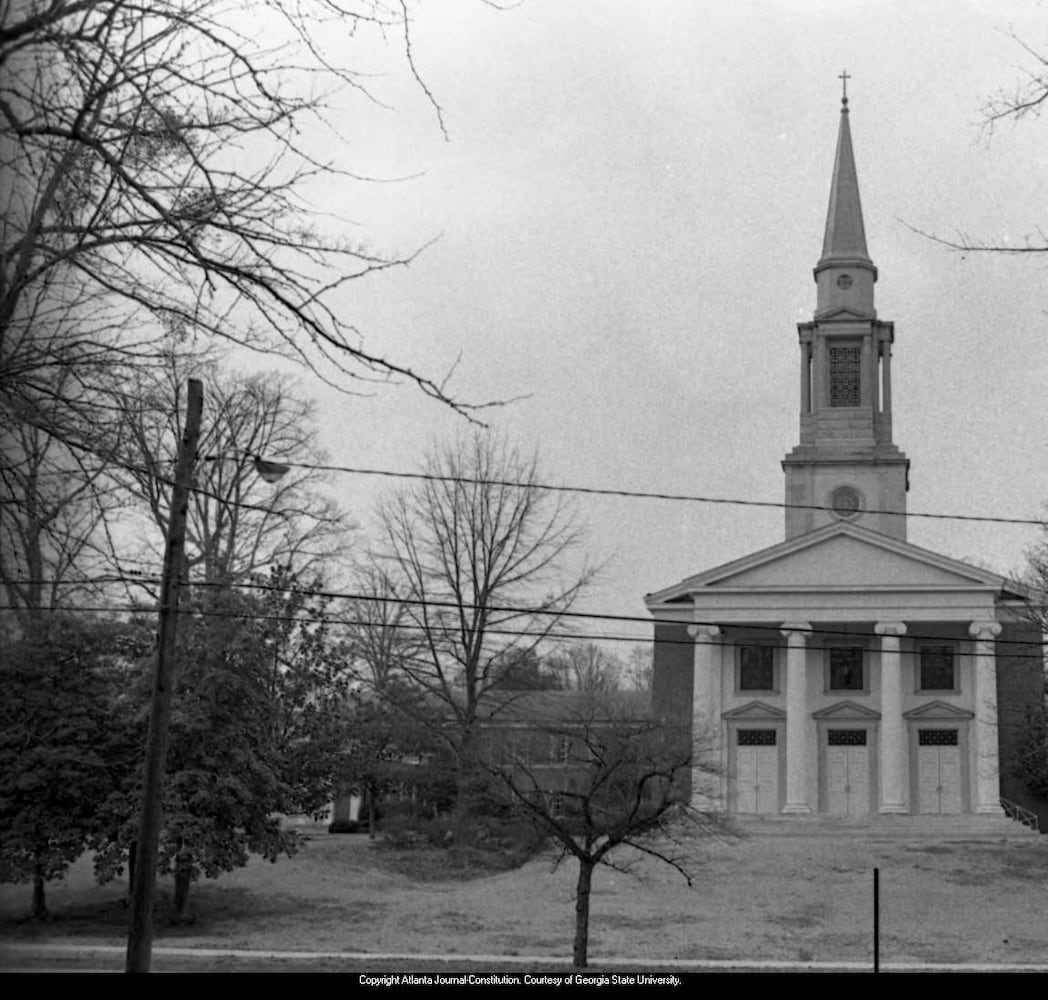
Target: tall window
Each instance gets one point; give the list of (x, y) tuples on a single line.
[(756, 668), (937, 668), (846, 673), (845, 375)]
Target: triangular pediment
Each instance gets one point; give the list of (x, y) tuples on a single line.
[(755, 710), (938, 710), (839, 556), (846, 710)]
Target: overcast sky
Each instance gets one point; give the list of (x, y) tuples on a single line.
[(629, 206)]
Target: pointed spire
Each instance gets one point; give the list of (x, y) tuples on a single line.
[(845, 275), (845, 238)]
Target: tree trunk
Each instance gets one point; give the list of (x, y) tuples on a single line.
[(40, 910), (183, 880), (131, 852), (371, 813), (469, 782), (582, 905)]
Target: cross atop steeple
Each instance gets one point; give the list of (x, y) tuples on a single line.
[(844, 241), (844, 78)]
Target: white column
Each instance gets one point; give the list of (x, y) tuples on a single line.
[(820, 365), (706, 772), (868, 380), (886, 390), (805, 377), (987, 777), (796, 717), (894, 770)]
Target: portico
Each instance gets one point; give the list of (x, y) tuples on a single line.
[(838, 658)]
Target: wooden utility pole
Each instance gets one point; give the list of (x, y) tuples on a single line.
[(143, 884)]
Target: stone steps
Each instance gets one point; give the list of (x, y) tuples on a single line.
[(963, 827)]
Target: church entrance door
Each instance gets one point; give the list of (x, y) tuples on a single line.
[(938, 771), (847, 772), (757, 771)]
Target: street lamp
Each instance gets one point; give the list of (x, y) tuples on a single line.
[(143, 881), (270, 472)]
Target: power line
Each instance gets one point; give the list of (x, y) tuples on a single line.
[(839, 634), (530, 484), (519, 633), (523, 611), (647, 495), (513, 609)]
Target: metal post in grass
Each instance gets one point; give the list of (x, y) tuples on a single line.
[(876, 920)]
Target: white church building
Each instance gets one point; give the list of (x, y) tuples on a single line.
[(844, 670)]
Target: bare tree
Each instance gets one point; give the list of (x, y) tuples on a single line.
[(238, 525), (480, 549), (640, 668), (1025, 98), (587, 667), (613, 782), (383, 639), (155, 162), (53, 545)]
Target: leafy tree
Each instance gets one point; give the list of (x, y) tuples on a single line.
[(68, 740), (525, 670), (224, 781), (1030, 762), (479, 549), (308, 686), (613, 782), (386, 746), (259, 729)]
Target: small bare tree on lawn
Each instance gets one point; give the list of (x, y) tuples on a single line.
[(607, 780)]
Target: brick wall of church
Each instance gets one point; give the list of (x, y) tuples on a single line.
[(672, 682), (1020, 688)]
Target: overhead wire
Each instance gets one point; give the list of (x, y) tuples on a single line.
[(840, 634), (646, 494), (536, 485)]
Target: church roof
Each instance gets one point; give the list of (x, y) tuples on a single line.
[(845, 236), (841, 556)]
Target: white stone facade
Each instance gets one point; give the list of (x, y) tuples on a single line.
[(872, 672)]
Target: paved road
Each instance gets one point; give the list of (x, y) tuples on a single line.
[(30, 957)]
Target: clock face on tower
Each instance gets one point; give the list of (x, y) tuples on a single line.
[(845, 502), (844, 281)]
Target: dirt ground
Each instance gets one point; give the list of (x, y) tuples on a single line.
[(772, 898)]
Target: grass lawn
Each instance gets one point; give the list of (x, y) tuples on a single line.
[(763, 898)]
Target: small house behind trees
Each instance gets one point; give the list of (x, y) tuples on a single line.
[(550, 742)]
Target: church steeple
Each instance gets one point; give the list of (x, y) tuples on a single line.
[(846, 460)]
